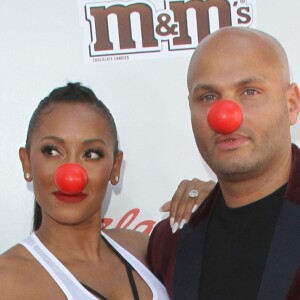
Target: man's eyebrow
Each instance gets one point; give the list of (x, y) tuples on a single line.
[(203, 86), (245, 81), (249, 80)]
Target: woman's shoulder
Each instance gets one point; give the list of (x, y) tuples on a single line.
[(14, 261), (22, 277), (133, 241), (14, 264), (14, 256)]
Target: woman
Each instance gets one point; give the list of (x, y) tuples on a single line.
[(68, 256)]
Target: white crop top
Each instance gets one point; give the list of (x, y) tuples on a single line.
[(71, 287)]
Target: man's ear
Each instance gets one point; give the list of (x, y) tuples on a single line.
[(293, 102), (116, 169), (24, 158)]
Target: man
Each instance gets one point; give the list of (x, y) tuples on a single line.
[(244, 241)]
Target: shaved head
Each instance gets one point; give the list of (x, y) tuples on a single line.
[(250, 68), (237, 41)]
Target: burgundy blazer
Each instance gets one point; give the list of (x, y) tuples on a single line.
[(176, 259)]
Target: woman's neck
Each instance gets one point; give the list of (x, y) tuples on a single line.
[(80, 241)]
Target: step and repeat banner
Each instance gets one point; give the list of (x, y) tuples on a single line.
[(134, 55), (127, 30)]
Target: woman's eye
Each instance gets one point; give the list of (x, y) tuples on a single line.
[(50, 150), (93, 154)]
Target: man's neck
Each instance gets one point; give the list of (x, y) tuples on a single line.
[(247, 190)]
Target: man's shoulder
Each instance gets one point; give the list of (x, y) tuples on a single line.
[(162, 234), (162, 242)]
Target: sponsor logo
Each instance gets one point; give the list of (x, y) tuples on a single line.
[(127, 222), (131, 27)]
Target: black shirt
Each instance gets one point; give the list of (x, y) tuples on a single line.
[(236, 248)]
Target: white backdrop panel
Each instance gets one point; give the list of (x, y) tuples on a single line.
[(41, 48)]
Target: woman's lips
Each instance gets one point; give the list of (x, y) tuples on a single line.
[(69, 198)]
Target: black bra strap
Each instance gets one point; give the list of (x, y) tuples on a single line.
[(132, 281), (129, 270), (95, 293)]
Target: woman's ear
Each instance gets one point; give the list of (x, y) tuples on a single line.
[(24, 158), (116, 169), (293, 102)]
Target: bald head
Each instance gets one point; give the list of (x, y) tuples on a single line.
[(250, 68), (240, 43)]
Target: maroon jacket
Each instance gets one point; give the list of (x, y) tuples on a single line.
[(176, 259)]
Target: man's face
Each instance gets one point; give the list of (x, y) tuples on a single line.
[(246, 72)]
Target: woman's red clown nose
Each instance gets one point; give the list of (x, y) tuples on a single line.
[(70, 179)]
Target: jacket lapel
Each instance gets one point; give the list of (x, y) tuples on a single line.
[(188, 266), (284, 255), (189, 262)]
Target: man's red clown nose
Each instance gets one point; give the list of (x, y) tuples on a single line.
[(224, 116), (70, 179)]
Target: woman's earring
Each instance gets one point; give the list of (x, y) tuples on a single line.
[(114, 180), (27, 175)]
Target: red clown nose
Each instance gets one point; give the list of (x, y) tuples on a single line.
[(224, 116), (70, 179)]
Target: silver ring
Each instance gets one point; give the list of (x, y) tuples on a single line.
[(193, 194)]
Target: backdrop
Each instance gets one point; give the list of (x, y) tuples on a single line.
[(45, 44)]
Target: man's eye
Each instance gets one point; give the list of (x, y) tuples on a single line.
[(50, 150), (208, 97), (251, 92), (93, 154)]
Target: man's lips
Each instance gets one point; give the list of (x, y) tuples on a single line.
[(69, 198), (230, 141)]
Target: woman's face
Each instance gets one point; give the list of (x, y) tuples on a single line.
[(71, 133)]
